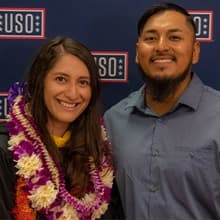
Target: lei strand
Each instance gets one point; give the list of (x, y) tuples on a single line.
[(44, 177)]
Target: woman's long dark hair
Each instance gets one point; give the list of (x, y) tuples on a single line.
[(86, 139)]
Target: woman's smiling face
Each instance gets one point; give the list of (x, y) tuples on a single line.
[(67, 92)]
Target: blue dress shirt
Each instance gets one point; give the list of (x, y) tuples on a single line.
[(168, 168)]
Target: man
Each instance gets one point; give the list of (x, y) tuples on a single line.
[(166, 135)]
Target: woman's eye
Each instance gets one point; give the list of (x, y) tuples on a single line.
[(60, 79), (84, 83)]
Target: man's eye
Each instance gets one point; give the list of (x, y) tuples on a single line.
[(175, 38), (149, 39)]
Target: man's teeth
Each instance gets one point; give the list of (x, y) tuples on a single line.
[(162, 61)]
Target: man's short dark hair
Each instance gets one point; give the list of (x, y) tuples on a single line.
[(165, 6)]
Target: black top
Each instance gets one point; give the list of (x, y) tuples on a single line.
[(7, 177), (8, 183)]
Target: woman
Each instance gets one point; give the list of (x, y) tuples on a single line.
[(58, 143)]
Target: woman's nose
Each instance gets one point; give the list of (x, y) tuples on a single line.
[(71, 91)]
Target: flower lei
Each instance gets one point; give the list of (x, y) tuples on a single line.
[(43, 177)]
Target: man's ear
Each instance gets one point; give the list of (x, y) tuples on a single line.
[(196, 52), (136, 57)]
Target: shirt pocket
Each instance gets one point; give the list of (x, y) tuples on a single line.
[(198, 165), (199, 157)]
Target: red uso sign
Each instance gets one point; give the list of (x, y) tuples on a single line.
[(21, 23), (113, 65)]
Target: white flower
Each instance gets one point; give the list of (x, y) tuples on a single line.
[(89, 198), (100, 211), (28, 165), (104, 133), (15, 140), (107, 177), (69, 213), (43, 196)]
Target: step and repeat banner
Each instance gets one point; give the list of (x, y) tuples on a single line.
[(107, 27)]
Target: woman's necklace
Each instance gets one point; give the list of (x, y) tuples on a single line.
[(44, 177)]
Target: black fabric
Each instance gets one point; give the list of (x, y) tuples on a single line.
[(7, 177), (115, 210)]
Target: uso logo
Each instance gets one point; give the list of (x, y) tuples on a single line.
[(204, 24), (3, 106), (113, 66), (23, 23)]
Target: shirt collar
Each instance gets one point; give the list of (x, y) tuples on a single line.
[(137, 98), (60, 141), (191, 96)]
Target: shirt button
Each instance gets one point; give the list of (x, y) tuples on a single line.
[(160, 119), (155, 152), (191, 154), (154, 188)]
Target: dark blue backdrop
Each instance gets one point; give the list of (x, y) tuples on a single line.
[(107, 27)]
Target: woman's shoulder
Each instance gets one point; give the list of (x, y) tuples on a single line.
[(5, 154), (3, 128), (6, 162), (4, 136), (7, 175)]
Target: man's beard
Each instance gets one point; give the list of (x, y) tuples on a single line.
[(160, 89)]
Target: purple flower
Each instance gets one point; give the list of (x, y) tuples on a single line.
[(17, 89), (23, 148), (13, 128)]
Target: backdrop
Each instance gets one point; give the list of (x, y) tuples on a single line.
[(108, 28)]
